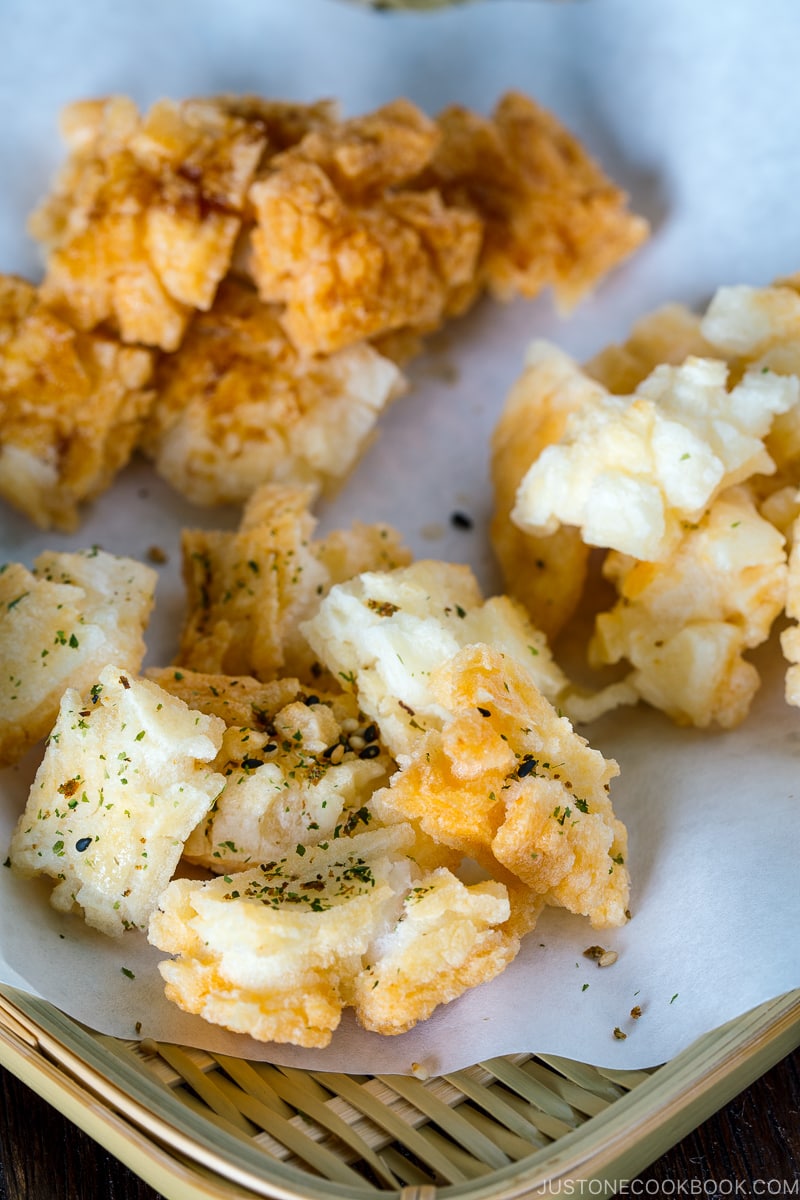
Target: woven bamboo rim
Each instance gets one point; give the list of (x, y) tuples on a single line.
[(198, 1125)]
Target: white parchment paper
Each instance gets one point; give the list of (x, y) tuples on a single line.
[(695, 110)]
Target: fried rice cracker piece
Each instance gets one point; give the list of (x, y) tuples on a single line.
[(385, 634), (630, 472), (238, 699), (245, 588), (141, 225), (369, 154), (59, 626), (346, 553), (790, 637), (123, 782), (253, 710), (237, 406), (780, 507), (757, 328), (273, 951), (347, 272), (747, 327), (669, 335), (352, 250), (507, 780), (71, 406), (450, 938), (285, 122), (248, 591), (546, 573), (744, 322), (551, 216), (407, 220), (308, 778), (685, 624)]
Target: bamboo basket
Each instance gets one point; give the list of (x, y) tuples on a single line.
[(197, 1126)]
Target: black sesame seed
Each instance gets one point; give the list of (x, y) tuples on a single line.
[(370, 734), (250, 764), (370, 751), (327, 753), (461, 520), (485, 712), (527, 766), (83, 844), (311, 700), (270, 746)]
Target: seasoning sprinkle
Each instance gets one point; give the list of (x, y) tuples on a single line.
[(250, 764), (526, 767), (384, 608)]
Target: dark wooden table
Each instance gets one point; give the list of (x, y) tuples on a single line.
[(750, 1148)]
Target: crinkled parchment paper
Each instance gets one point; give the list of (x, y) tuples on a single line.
[(697, 115)]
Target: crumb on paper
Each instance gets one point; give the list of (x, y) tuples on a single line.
[(603, 958)]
